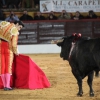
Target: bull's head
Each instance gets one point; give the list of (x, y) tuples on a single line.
[(65, 44)]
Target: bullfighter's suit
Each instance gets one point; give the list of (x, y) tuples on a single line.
[(8, 47)]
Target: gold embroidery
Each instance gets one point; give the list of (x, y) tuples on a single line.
[(7, 32), (14, 31), (4, 23), (11, 61), (14, 50), (7, 29), (13, 44)]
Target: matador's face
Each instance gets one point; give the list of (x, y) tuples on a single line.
[(19, 27)]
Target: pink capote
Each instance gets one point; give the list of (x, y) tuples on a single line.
[(27, 74)]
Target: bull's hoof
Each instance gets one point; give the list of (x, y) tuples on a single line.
[(80, 94), (91, 94)]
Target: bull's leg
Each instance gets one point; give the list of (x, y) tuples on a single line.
[(79, 82), (97, 73), (89, 81)]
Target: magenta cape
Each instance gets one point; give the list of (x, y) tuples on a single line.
[(27, 74)]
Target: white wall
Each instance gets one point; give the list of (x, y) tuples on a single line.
[(39, 48)]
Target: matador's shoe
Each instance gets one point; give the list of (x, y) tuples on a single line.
[(7, 89)]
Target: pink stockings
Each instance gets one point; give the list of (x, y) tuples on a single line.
[(3, 79), (6, 80)]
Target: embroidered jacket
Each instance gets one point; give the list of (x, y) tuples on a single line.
[(9, 33)]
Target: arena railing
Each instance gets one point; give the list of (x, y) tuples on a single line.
[(42, 32)]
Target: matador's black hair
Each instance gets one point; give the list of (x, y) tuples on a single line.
[(19, 22)]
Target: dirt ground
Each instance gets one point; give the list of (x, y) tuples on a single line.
[(63, 83)]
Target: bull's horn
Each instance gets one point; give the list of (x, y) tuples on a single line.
[(56, 41), (53, 42)]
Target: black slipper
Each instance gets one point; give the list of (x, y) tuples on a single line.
[(7, 89)]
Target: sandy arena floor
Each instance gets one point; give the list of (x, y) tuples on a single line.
[(63, 83)]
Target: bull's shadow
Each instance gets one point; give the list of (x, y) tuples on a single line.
[(83, 55)]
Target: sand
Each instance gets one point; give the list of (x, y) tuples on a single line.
[(63, 84)]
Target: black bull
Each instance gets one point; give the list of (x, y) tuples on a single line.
[(83, 59)]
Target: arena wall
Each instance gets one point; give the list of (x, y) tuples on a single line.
[(38, 48)]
